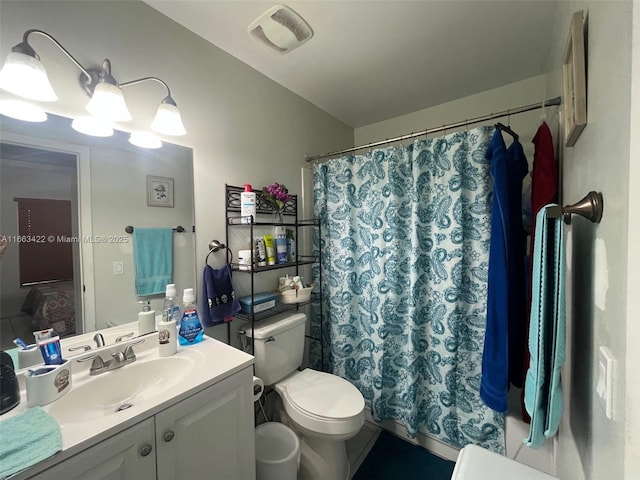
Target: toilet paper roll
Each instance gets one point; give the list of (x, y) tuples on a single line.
[(258, 388)]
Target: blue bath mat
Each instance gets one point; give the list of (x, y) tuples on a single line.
[(392, 458)]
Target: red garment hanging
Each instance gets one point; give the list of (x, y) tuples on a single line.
[(544, 190)]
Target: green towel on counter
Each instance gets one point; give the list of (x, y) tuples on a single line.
[(27, 439)]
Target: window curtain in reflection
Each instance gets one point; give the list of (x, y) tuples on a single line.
[(405, 252)]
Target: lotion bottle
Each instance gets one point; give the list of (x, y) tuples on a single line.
[(146, 319), (248, 204)]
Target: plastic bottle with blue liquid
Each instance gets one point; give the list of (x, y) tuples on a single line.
[(191, 331)]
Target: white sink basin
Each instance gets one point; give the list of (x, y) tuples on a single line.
[(115, 391)]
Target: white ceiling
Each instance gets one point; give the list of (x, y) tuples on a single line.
[(373, 60)]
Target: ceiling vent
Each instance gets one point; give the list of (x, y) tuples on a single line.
[(280, 29)]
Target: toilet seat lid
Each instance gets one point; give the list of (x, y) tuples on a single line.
[(322, 395)]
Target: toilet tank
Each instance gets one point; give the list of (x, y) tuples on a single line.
[(278, 345)]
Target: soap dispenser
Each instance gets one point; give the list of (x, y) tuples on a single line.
[(146, 319)]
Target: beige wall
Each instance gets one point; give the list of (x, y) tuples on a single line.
[(590, 445), (242, 126), (532, 90), (632, 435)]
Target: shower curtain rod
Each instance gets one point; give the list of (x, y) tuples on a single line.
[(527, 108)]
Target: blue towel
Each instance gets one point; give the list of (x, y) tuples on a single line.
[(219, 299), (153, 257), (543, 390), (27, 439)]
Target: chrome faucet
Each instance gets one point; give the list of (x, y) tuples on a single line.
[(118, 359), (99, 339)]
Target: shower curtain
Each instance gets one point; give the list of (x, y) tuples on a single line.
[(405, 250)]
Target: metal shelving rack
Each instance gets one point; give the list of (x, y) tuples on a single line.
[(290, 220)]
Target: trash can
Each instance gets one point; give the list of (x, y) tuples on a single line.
[(277, 452)]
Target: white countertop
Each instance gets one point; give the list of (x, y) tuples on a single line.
[(214, 361)]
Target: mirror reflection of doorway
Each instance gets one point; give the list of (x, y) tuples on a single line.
[(39, 279)]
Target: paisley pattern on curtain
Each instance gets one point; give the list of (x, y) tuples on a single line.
[(405, 250)]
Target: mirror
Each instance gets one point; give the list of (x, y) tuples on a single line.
[(104, 182)]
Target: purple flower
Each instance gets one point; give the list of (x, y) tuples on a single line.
[(276, 195)]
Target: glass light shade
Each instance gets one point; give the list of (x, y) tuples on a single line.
[(145, 140), (168, 120), (93, 126), (22, 110), (107, 102), (25, 76)]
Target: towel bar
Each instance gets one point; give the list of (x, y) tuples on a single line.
[(179, 229), (590, 207)]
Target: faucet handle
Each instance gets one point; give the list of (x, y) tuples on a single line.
[(84, 348), (96, 364), (122, 337), (129, 354)]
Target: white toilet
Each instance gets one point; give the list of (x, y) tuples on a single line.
[(323, 409)]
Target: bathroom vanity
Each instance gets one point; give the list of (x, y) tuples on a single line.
[(180, 417)]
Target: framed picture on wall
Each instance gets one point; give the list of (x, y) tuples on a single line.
[(574, 82), (159, 191)]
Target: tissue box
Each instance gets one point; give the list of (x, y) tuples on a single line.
[(261, 301), (47, 383)]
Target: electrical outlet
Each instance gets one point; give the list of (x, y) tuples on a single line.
[(604, 384), (118, 268)]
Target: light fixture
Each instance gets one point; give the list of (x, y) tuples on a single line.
[(167, 119), (145, 140), (24, 75), (22, 110), (107, 100), (94, 126)]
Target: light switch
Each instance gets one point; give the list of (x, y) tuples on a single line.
[(118, 268), (604, 385)]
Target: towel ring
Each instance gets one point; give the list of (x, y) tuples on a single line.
[(216, 246)]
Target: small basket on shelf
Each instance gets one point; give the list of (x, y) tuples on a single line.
[(295, 295)]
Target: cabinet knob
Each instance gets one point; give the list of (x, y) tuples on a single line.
[(168, 436), (145, 450)]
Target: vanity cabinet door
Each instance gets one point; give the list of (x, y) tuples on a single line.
[(209, 435), (129, 455)]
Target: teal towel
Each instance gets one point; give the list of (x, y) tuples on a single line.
[(559, 335), (27, 439), (543, 390), (153, 257)]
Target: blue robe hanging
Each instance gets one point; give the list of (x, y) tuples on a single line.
[(495, 363)]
